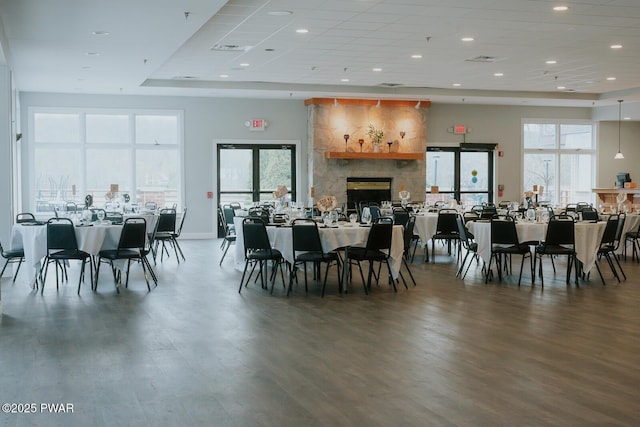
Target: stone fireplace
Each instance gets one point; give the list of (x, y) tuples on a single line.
[(327, 125)]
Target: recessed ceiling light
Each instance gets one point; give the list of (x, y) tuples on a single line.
[(244, 64), (498, 74), (377, 70), (626, 118), (456, 85), (302, 31), (611, 78), (92, 54), (616, 46), (344, 80), (269, 49), (280, 13), (561, 87), (467, 39), (224, 76), (100, 33), (561, 8), (551, 62), (416, 56)]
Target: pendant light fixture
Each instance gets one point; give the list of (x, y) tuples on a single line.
[(619, 155)]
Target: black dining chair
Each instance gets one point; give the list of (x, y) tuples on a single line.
[(609, 245), (62, 246), (559, 240), (377, 249), (468, 245), (132, 245), (12, 256), (408, 238), (25, 217), (504, 243), (165, 234), (258, 252), (229, 237), (307, 248), (446, 230)]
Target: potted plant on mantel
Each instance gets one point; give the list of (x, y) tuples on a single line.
[(376, 136)]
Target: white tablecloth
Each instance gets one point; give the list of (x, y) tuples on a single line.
[(587, 238), (425, 227), (281, 238), (33, 240)]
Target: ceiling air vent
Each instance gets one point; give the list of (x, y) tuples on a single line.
[(230, 48), (482, 58), (390, 84)]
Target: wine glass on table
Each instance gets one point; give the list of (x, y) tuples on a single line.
[(346, 140), (361, 142)]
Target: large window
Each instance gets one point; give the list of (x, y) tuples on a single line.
[(80, 152), (251, 173), (560, 157), (461, 173)]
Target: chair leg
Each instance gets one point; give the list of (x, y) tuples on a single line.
[(615, 257), (404, 261)]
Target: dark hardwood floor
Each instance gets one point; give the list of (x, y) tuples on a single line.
[(447, 352)]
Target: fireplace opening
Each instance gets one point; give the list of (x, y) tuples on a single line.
[(367, 190)]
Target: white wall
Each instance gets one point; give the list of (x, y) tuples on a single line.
[(608, 137), (205, 120), (209, 119), (495, 124)]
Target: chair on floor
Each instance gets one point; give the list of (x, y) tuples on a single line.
[(176, 234), (504, 243), (468, 245), (633, 238), (307, 248), (560, 240), (377, 249), (590, 214), (62, 246), (165, 232), (25, 217), (609, 245), (446, 230), (12, 256), (408, 240), (258, 252), (400, 216), (131, 246), (229, 237)]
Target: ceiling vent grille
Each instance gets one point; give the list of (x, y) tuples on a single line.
[(390, 84), (482, 58), (230, 48)]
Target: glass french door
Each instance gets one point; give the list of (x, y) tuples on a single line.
[(463, 174), (251, 173)]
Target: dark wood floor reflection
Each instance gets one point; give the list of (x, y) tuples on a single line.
[(194, 352)]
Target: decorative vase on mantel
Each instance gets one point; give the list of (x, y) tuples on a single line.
[(376, 147)]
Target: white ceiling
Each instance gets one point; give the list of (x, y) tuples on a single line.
[(163, 47)]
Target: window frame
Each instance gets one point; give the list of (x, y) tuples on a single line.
[(558, 151), (83, 146)]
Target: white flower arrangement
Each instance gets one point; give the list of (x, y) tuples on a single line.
[(375, 134)]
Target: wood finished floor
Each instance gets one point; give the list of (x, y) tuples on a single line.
[(193, 352)]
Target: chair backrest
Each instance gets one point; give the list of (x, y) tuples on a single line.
[(380, 236), (25, 217), (503, 231), (184, 215), (61, 234), (306, 236), (621, 220), (581, 206), (589, 215), (114, 217), (259, 212), (254, 234), (488, 212), (152, 206), (375, 212), (228, 213), (134, 234), (235, 205), (167, 221), (408, 232), (504, 204), (71, 207), (462, 231), (560, 231), (610, 231), (447, 221), (400, 216)]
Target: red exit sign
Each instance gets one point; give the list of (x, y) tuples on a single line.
[(459, 129)]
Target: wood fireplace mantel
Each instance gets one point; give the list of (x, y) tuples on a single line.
[(371, 155)]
